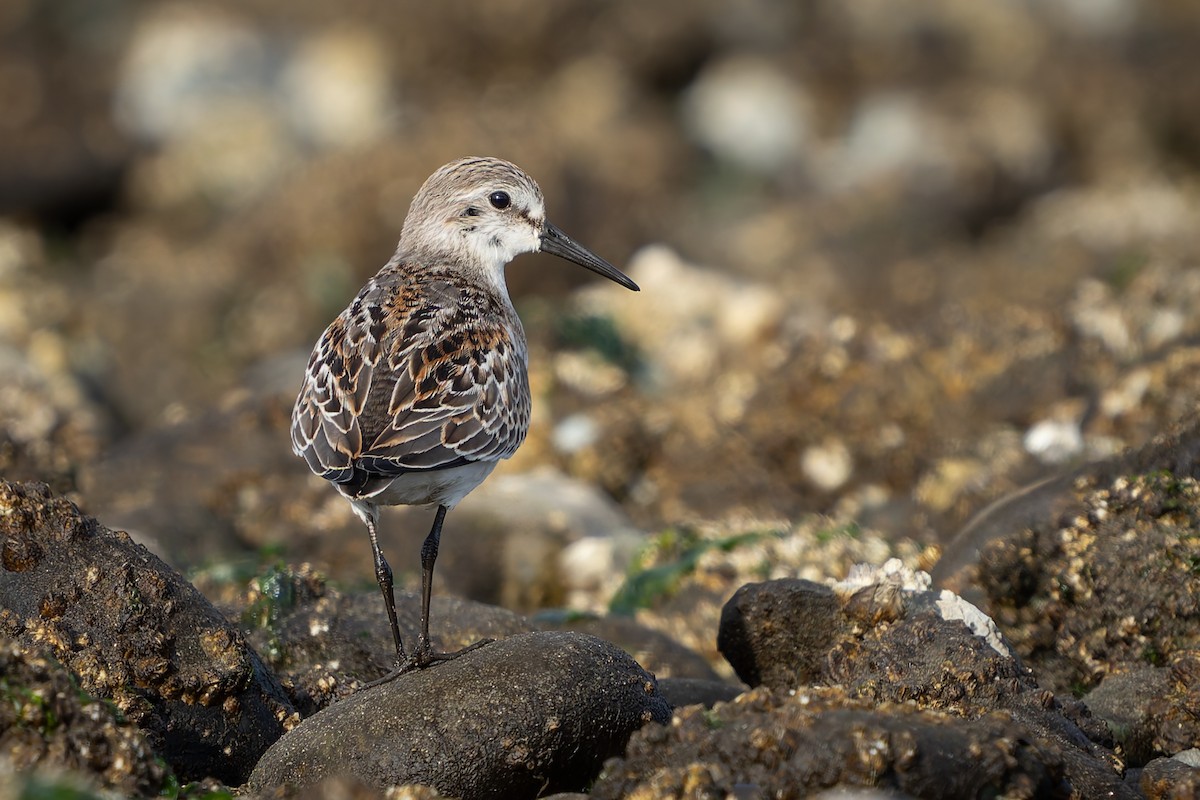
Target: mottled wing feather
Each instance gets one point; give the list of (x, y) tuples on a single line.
[(326, 422), (469, 400), (414, 375)]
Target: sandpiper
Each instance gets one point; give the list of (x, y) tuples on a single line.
[(420, 386)]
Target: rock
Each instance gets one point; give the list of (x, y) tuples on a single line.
[(778, 633), (684, 578), (338, 89), (657, 652), (885, 643), (181, 65), (935, 650), (324, 644), (136, 633), (1172, 714), (1122, 701), (48, 724), (50, 421), (1107, 586), (61, 156), (827, 465), (1169, 779), (680, 692), (891, 132), (220, 481), (516, 533), (1042, 505), (343, 787), (778, 743), (534, 713), (958, 567), (704, 315), (1055, 441)]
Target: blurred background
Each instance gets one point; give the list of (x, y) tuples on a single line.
[(897, 259)]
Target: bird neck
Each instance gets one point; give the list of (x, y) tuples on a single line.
[(478, 251), (460, 263)]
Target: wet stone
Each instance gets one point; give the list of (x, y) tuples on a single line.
[(1110, 588), (47, 723), (771, 743), (137, 634), (680, 692), (324, 644), (1169, 779), (778, 632), (535, 713), (1123, 700), (892, 647), (654, 650)]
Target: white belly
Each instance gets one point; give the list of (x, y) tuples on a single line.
[(445, 487)]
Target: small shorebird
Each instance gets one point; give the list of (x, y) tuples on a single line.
[(417, 389)]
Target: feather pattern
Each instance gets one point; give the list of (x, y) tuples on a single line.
[(423, 371)]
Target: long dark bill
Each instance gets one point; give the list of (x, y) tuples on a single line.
[(557, 243)]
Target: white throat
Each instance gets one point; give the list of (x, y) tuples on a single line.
[(493, 243)]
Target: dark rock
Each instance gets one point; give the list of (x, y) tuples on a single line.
[(680, 692), (323, 644), (1123, 701), (1173, 714), (926, 658), (777, 633), (538, 712), (958, 568), (1170, 779), (136, 633), (654, 650), (46, 722), (63, 160), (888, 645), (1108, 588), (345, 787), (780, 743), (939, 663), (1041, 505)]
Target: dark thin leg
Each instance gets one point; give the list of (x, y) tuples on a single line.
[(383, 575), (429, 552), (423, 654)]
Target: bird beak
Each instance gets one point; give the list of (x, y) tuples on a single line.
[(557, 243)]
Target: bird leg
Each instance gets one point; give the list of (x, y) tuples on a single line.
[(383, 575), (429, 553), (424, 654)]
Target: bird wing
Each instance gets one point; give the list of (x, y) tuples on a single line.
[(420, 376)]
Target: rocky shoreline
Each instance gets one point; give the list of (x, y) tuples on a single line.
[(920, 314), (878, 680)]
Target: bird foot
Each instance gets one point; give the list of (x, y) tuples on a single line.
[(424, 656)]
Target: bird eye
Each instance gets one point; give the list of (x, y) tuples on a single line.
[(500, 200)]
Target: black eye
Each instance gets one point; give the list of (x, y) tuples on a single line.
[(500, 200)]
